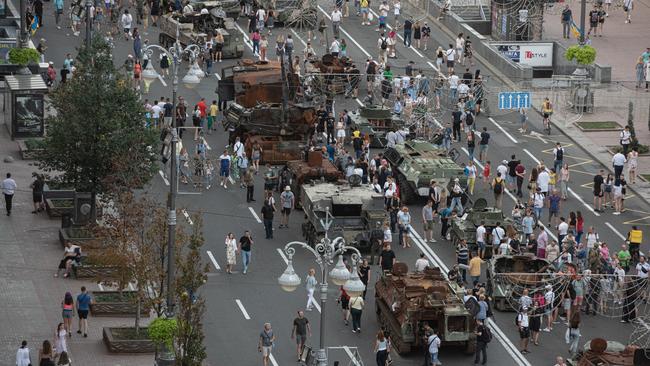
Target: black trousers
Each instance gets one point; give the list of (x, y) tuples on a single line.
[(8, 199), (456, 131), (249, 192), (481, 347), (520, 182), (445, 226), (268, 228)]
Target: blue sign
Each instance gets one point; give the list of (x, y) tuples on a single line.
[(514, 100)]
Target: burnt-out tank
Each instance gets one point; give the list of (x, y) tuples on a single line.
[(600, 352), (405, 302), (464, 227), (375, 121), (314, 168), (329, 74), (227, 8), (354, 210), (416, 163)]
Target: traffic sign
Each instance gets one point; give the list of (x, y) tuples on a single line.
[(514, 100)]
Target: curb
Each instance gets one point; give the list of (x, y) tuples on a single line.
[(592, 155)]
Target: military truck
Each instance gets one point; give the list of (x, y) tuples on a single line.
[(405, 302), (355, 210), (197, 28), (416, 163), (464, 227), (313, 168), (375, 121), (509, 275)]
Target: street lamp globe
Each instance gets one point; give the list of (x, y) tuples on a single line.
[(149, 75), (196, 70), (289, 281), (354, 286), (191, 80), (339, 274)]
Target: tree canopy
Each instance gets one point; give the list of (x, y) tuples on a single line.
[(97, 140)]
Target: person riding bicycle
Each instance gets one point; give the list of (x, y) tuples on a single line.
[(547, 109)]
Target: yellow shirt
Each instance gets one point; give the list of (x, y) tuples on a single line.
[(552, 179), (213, 110), (475, 266), (356, 134), (357, 303)]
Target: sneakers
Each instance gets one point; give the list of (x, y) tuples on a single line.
[(546, 329)]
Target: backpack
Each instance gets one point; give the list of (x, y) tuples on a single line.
[(469, 119), (498, 186), (487, 334), (560, 154), (472, 306), (384, 44)]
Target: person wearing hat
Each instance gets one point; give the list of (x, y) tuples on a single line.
[(456, 195), (41, 49), (287, 201), (549, 301)]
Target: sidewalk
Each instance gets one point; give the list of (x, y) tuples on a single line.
[(31, 296), (621, 44)]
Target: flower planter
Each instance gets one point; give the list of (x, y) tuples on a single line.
[(109, 303), (57, 207), (78, 236), (96, 271), (123, 340), (27, 150)]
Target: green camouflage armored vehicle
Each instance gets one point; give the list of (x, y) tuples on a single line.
[(354, 209), (405, 302), (416, 163), (375, 121), (464, 227), (197, 28)]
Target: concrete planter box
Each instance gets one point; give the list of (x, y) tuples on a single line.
[(108, 303), (25, 152), (96, 271), (119, 340), (77, 236), (57, 207)]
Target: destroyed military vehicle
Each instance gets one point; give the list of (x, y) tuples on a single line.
[(222, 8), (197, 28), (314, 168), (294, 13), (376, 122), (416, 163), (355, 211), (464, 227), (600, 352), (405, 302)]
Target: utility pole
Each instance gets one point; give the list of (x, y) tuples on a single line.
[(89, 4), (583, 10), (22, 42)]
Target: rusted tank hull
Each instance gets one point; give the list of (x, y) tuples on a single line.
[(276, 149)]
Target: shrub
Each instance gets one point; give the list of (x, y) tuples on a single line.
[(23, 56), (584, 55)]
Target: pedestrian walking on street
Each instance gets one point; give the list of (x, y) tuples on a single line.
[(245, 244), (625, 138), (381, 349), (23, 358), (67, 307), (404, 225), (84, 301), (635, 237), (265, 345), (249, 182), (483, 337), (427, 220), (364, 275), (231, 252), (387, 258), (572, 336), (524, 330), (61, 338), (268, 211), (618, 162), (566, 19), (46, 354), (628, 5), (356, 309), (310, 285), (300, 330), (8, 190), (344, 300), (64, 359), (408, 28), (224, 168), (433, 346), (498, 188), (632, 164), (475, 268), (287, 202)]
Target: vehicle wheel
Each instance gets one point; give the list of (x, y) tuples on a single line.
[(407, 194), (470, 347)]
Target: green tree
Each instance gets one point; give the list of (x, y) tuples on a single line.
[(191, 275), (97, 141)]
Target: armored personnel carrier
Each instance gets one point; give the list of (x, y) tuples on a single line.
[(313, 168), (464, 227), (418, 162), (375, 121), (197, 28), (223, 8), (294, 13), (355, 210), (405, 302)]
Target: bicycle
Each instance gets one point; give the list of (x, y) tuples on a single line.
[(547, 111)]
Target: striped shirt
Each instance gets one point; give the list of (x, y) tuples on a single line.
[(462, 253)]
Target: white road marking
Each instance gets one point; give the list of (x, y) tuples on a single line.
[(353, 359), (503, 130), (187, 217), (538, 135), (243, 310), (359, 102), (162, 80), (207, 146), (214, 260), (162, 175), (101, 288), (437, 122), (216, 74), (298, 36), (257, 218), (417, 235), (131, 287), (247, 40), (284, 257), (583, 202), (316, 304), (232, 181), (476, 161), (273, 361), (618, 233), (346, 33)]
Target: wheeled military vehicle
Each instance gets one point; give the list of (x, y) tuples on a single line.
[(355, 210), (375, 121), (199, 27), (405, 302), (417, 163), (464, 227), (314, 168)]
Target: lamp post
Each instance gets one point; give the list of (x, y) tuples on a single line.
[(89, 4), (324, 253), (149, 74)]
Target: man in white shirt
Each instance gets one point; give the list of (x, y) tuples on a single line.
[(498, 234), (421, 263), (463, 89), (335, 47), (524, 331), (618, 161), (8, 189), (542, 181), (503, 168), (261, 19), (126, 21), (480, 239), (562, 229), (336, 21), (453, 86), (451, 56), (155, 114), (238, 148), (434, 344), (549, 301), (642, 268)]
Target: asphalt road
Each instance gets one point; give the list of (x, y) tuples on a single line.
[(238, 305)]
